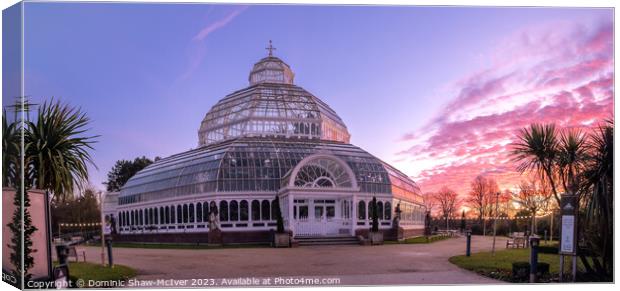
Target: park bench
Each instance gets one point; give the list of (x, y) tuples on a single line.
[(516, 240), (73, 252)]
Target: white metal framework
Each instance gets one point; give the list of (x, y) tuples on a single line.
[(272, 142)]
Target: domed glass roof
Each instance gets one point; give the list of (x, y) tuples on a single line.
[(272, 106), (263, 165)]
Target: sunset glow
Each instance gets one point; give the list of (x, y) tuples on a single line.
[(554, 73)]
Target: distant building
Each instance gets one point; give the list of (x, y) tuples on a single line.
[(270, 139)]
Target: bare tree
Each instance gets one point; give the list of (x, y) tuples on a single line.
[(429, 201), (534, 196), (448, 203), (477, 196), (482, 198)]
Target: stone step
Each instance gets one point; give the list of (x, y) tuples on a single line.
[(338, 240)]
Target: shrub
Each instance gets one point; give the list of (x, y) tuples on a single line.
[(521, 270)]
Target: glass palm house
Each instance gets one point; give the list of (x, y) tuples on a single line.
[(271, 142)]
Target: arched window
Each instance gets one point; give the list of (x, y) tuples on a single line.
[(167, 214), (192, 213), (265, 210), (173, 217), (162, 215), (380, 210), (133, 217), (198, 212), (234, 210), (223, 210), (213, 207), (185, 214), (255, 210), (243, 210), (361, 210), (388, 211), (322, 172), (370, 209), (141, 217), (146, 216), (205, 212), (179, 214), (156, 215)]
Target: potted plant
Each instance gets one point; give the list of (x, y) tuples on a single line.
[(375, 236), (281, 238)]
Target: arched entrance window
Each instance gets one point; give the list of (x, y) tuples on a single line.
[(255, 210), (380, 210), (323, 172), (361, 210), (388, 210), (265, 210)]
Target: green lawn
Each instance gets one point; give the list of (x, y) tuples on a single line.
[(419, 240), (500, 265), (96, 272)]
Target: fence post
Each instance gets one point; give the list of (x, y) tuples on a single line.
[(534, 241), (468, 250)]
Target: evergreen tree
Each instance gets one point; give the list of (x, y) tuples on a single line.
[(279, 220), (123, 170), (375, 215), (16, 227)]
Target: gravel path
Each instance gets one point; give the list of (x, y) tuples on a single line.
[(348, 265)]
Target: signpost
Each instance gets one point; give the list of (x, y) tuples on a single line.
[(568, 231)]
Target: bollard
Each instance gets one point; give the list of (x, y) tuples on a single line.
[(534, 242), (468, 251), (62, 252), (108, 242)]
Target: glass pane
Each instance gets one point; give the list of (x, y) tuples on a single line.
[(318, 212), (330, 211), (303, 211)]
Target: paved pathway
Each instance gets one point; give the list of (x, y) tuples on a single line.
[(351, 264)]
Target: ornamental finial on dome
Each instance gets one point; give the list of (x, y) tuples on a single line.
[(270, 48)]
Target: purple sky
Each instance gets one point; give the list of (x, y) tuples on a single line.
[(402, 78)]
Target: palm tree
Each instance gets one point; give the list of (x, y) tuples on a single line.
[(56, 150), (599, 198), (10, 150), (537, 150), (571, 157)]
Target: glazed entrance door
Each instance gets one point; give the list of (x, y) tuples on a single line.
[(320, 217)]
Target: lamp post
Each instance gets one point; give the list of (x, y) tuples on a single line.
[(495, 221), (102, 229)]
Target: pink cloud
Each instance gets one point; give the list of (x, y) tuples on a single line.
[(549, 73)]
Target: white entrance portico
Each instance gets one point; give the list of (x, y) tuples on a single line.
[(317, 197)]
